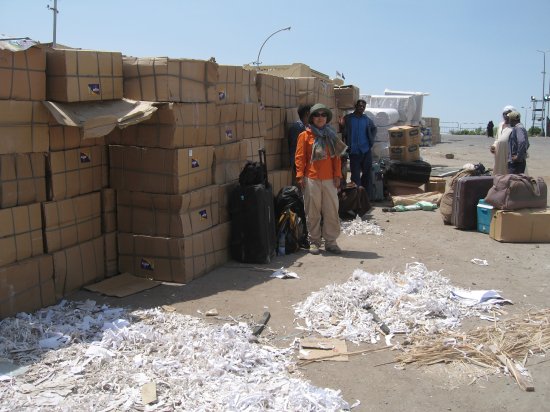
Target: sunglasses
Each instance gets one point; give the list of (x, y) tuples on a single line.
[(322, 114)]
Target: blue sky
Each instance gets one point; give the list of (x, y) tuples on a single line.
[(472, 56)]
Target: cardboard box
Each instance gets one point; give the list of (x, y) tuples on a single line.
[(71, 221), (271, 90), (521, 226), (253, 145), (405, 153), (161, 79), (230, 84), (108, 210), (231, 125), (168, 215), (23, 127), (76, 172), (254, 121), (152, 170), (22, 179), (161, 258), (26, 286), (273, 153), (83, 75), (23, 74), (250, 93), (313, 90), (224, 196), (436, 184), (69, 137), (229, 161), (20, 233), (291, 92), (346, 96), (78, 265), (111, 254), (172, 126), (404, 135), (275, 123)]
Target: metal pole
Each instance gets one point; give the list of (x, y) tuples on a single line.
[(543, 116), (54, 11), (257, 62)]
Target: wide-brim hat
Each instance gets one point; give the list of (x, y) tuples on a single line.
[(317, 108)]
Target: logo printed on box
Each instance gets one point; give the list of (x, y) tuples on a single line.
[(229, 133), (93, 88), (147, 264), (194, 163), (221, 95), (84, 158), (203, 214)]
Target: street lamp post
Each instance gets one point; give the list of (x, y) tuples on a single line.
[(543, 100), (257, 62), (525, 118)]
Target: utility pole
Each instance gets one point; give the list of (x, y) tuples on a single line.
[(54, 11), (543, 100)]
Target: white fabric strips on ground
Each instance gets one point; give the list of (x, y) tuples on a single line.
[(360, 227), (415, 301), (85, 357)]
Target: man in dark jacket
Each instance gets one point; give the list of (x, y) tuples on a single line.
[(359, 132), (518, 143)]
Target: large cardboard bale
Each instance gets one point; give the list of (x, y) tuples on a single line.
[(254, 121), (224, 194), (26, 286), (346, 96), (521, 226), (23, 127), (221, 235), (173, 126), (71, 221), (231, 124), (153, 170), (77, 172), (275, 123), (78, 266), (83, 75), (111, 254), (250, 92), (161, 79), (313, 90), (108, 210), (170, 259), (69, 137), (23, 74), (20, 233), (168, 215), (291, 92), (273, 152), (229, 160), (22, 179), (271, 90), (230, 84), (253, 145)]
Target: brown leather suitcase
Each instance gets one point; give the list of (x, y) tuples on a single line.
[(468, 191)]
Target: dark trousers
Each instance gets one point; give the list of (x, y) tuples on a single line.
[(360, 166), (517, 167)]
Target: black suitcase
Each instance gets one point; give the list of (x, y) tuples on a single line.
[(253, 221), (417, 171), (468, 191)]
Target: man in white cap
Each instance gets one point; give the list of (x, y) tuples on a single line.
[(500, 145)]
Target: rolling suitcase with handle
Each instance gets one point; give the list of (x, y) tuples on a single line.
[(253, 227), (468, 191)]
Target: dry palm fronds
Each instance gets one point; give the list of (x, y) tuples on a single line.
[(516, 339)]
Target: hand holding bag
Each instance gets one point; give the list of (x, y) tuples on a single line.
[(517, 191)]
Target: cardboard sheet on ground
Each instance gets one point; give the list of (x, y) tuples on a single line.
[(122, 285), (97, 119), (323, 349)]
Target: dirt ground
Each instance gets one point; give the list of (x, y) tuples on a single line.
[(520, 271)]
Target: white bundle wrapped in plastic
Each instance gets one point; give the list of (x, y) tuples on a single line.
[(405, 105), (418, 98), (382, 117)]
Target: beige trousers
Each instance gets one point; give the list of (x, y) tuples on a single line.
[(321, 200)]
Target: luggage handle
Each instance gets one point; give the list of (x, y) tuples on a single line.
[(263, 162), (531, 183)]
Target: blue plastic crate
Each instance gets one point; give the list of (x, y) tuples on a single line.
[(484, 216)]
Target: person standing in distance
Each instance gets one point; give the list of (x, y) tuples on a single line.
[(318, 174), (500, 146), (359, 132), (294, 131), (518, 144)]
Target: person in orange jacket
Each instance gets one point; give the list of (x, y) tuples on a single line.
[(318, 173)]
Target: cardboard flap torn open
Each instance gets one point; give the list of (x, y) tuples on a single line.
[(97, 119)]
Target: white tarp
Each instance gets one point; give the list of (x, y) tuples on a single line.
[(405, 105), (97, 119), (419, 99), (382, 117)]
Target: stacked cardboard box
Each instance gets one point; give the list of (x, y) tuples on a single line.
[(109, 230), (404, 143), (26, 273), (346, 96), (433, 124)]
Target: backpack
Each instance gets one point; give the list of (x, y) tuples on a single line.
[(253, 173), (289, 232), (290, 197)]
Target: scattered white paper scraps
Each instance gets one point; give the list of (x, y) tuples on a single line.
[(414, 302), (360, 227), (479, 262), (190, 364), (478, 297), (283, 273)]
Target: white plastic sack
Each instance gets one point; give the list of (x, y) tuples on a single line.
[(382, 117), (405, 105)]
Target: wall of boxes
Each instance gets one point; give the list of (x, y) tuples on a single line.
[(150, 199)]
